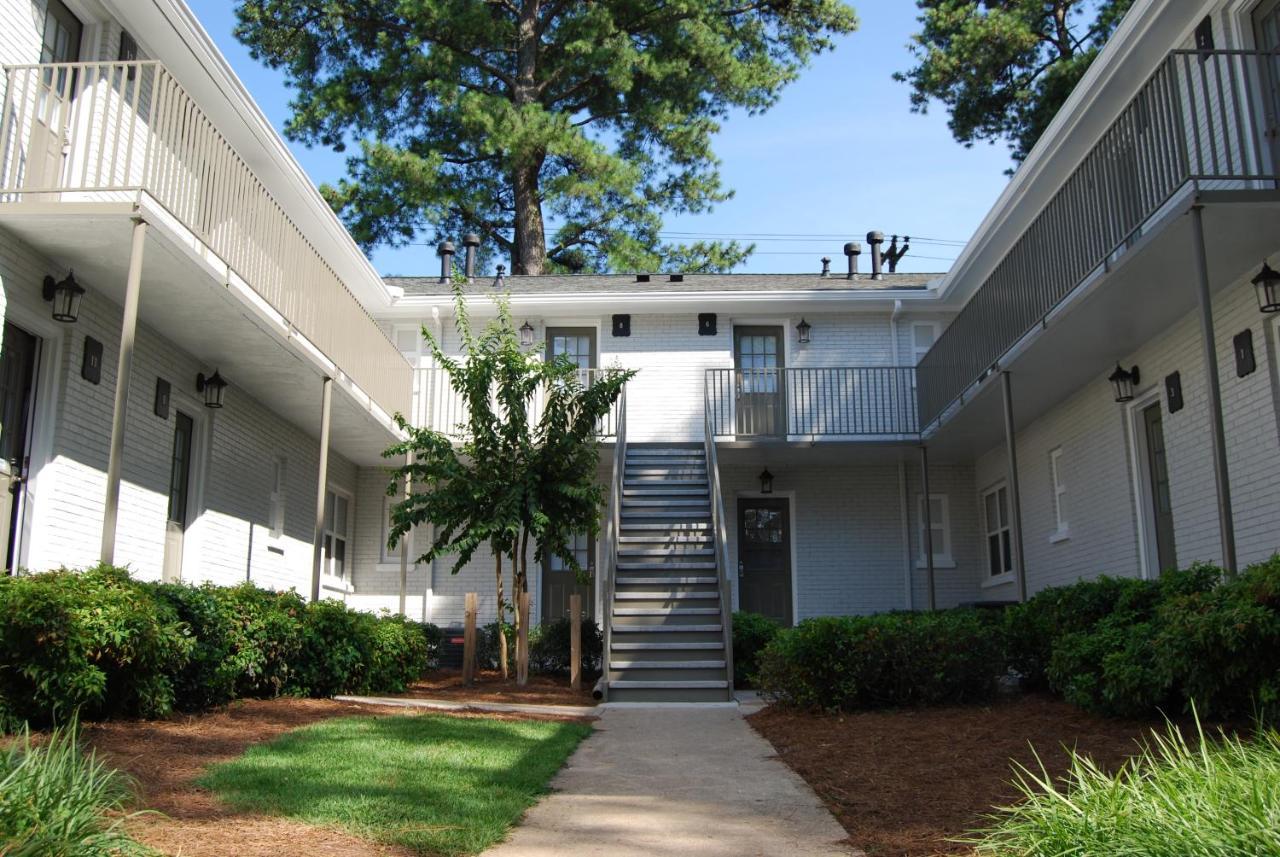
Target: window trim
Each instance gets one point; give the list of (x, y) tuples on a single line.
[(1059, 491), (277, 502), (943, 558), (989, 579), (916, 354)]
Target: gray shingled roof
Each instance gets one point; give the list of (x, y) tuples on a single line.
[(552, 284)]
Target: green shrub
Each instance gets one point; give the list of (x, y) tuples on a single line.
[(1110, 669), (402, 651), (1177, 798), (56, 800), (266, 637), (751, 633), (550, 647), (337, 650), (94, 640), (890, 659), (489, 646)]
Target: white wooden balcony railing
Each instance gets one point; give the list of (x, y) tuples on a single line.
[(440, 407), (86, 132), (869, 402)]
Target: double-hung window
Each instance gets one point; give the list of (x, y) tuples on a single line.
[(337, 533), (278, 495), (995, 519), (939, 525), (1059, 494)]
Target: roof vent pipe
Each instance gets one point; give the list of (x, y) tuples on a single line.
[(471, 241), (445, 252), (826, 266), (500, 281), (875, 239), (853, 249)]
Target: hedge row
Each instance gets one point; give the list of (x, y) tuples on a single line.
[(107, 645), (1116, 646)]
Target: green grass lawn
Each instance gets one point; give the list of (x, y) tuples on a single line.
[(438, 785)]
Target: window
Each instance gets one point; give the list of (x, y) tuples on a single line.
[(923, 335), (61, 38), (180, 468), (128, 53), (580, 544), (409, 342), (337, 532), (1059, 492), (392, 554), (275, 516), (940, 524), (995, 519)]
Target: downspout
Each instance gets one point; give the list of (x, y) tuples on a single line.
[(903, 506)]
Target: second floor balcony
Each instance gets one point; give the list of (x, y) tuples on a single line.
[(1202, 128), (78, 135)]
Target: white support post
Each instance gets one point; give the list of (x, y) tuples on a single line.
[(317, 548), (1015, 496), (124, 369)]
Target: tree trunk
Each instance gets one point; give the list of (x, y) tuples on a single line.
[(522, 587), (502, 628), (529, 255), (530, 251)]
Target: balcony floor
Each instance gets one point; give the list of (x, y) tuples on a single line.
[(1144, 292), (185, 297)]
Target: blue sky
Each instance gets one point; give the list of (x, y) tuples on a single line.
[(839, 155)]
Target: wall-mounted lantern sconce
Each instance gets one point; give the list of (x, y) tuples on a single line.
[(803, 329), (526, 334), (1124, 380), (1268, 285), (65, 297), (766, 481), (213, 388)]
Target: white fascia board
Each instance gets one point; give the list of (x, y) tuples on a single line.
[(663, 302), (169, 32), (1144, 37)]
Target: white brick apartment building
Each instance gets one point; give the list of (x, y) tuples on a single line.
[(134, 164)]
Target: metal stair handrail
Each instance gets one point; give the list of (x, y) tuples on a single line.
[(722, 542), (613, 528)]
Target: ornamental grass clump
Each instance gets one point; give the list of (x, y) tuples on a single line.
[(57, 800), (1214, 797)]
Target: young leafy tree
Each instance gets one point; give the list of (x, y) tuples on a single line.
[(1003, 68), (511, 479), (497, 116)]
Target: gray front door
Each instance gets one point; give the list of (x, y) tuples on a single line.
[(758, 388), (764, 558), (17, 400), (1157, 474), (179, 495), (559, 580)]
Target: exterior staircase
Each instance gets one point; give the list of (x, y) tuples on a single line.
[(667, 640)]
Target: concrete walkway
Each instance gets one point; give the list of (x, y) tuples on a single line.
[(694, 782)]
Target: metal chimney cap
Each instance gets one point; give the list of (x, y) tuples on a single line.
[(445, 248), (875, 237), (471, 240), (853, 248)]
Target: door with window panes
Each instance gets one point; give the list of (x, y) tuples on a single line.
[(60, 43), (337, 533), (758, 392), (559, 580)]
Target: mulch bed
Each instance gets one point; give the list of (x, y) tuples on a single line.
[(490, 686), (165, 757), (904, 782)]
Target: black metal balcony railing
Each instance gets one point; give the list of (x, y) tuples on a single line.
[(871, 401), (1203, 117)]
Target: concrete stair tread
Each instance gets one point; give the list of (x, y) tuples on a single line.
[(673, 526), (704, 565), (666, 665), (678, 502), (668, 629), (667, 647), (667, 685), (665, 595), (665, 611), (667, 581)]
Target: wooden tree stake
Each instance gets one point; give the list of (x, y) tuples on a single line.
[(575, 641), (469, 640), (522, 642)]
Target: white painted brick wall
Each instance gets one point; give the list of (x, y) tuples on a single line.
[(228, 539)]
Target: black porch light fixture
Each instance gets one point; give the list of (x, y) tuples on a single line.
[(766, 481), (65, 297), (1124, 380), (1267, 282), (213, 387), (526, 334), (803, 329)]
